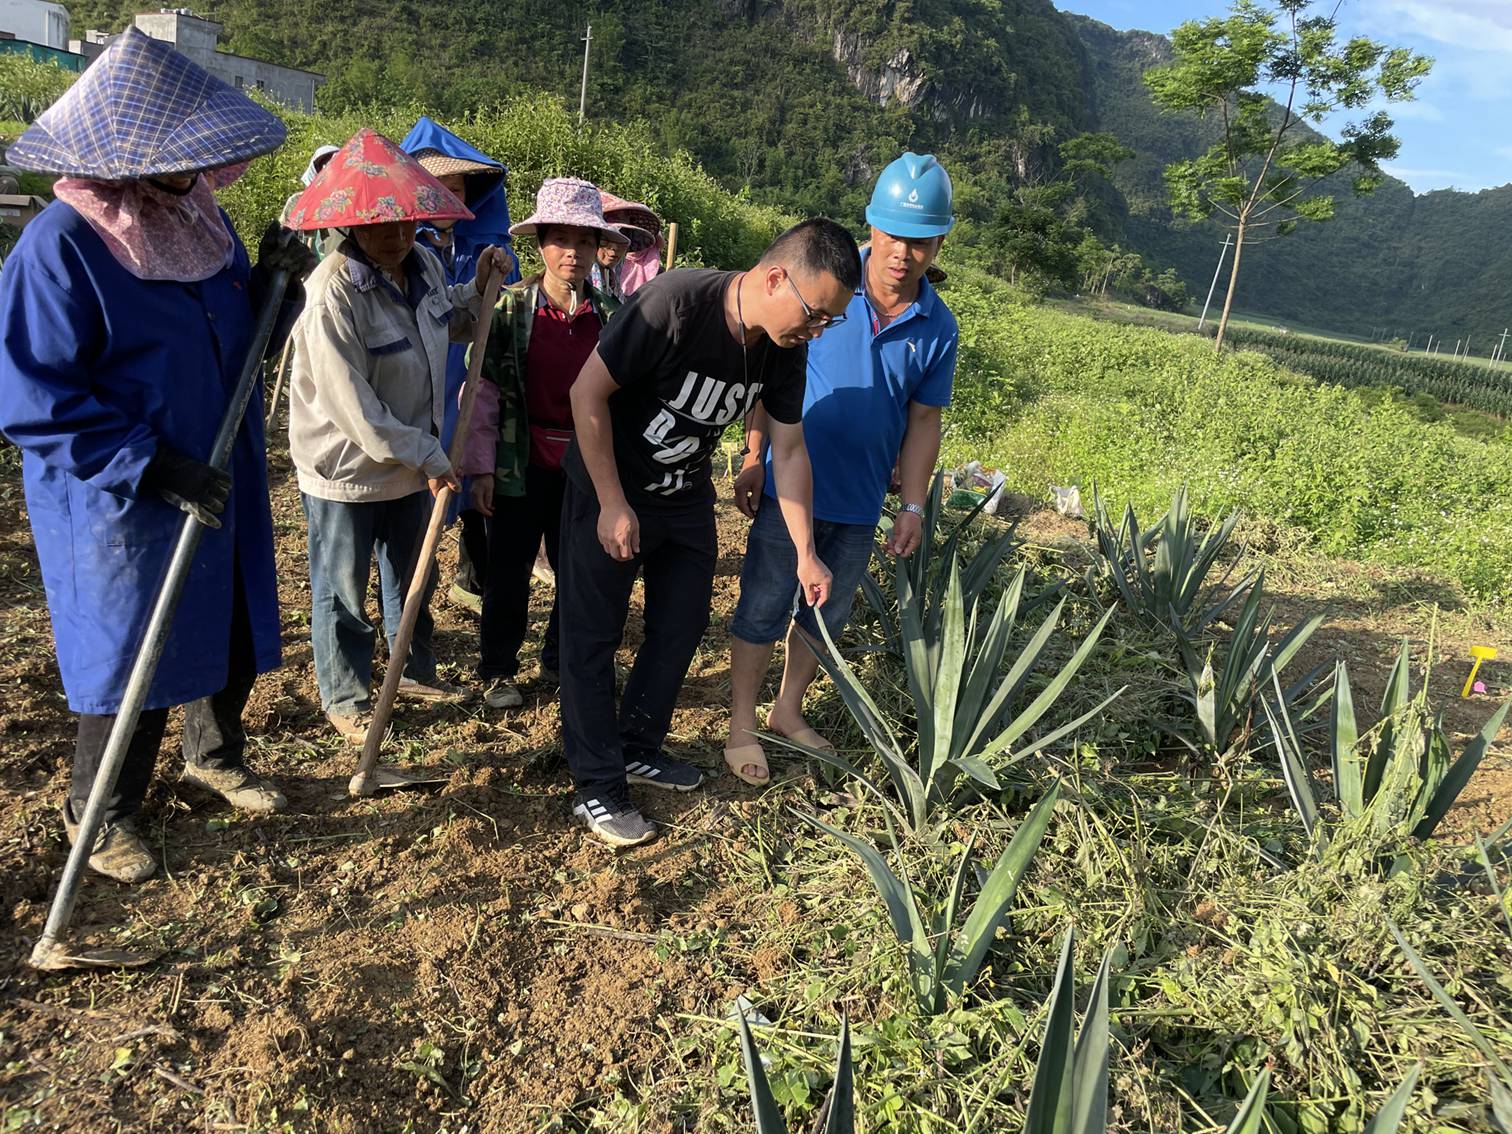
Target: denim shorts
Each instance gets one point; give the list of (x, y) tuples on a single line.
[(769, 576)]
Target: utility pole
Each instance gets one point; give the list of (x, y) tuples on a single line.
[(583, 95), (1228, 241)]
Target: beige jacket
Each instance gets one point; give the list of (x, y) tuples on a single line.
[(366, 398)]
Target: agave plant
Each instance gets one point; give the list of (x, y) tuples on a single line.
[(1251, 1116), (1498, 1073), (962, 699), (1223, 696), (1397, 777), (943, 959), (1070, 1094), (920, 582), (836, 1116), (1161, 574)]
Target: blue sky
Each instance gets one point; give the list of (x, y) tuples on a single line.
[(1458, 132)]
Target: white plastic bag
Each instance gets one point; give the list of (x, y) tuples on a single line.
[(1068, 501)]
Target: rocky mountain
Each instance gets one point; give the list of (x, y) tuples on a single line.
[(801, 102)]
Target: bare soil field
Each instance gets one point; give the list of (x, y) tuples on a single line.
[(462, 958)]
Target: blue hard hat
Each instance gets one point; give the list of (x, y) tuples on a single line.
[(912, 198)]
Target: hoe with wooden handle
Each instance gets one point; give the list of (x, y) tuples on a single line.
[(369, 777)]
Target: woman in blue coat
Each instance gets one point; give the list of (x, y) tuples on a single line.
[(127, 310)]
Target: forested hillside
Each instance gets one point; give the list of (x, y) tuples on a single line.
[(800, 102)]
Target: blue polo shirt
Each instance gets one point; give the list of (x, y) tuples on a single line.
[(861, 380)]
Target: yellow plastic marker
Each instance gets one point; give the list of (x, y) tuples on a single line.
[(1480, 654)]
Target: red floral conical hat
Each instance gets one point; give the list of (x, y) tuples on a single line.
[(370, 180)]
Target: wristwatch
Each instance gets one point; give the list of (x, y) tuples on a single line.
[(916, 509)]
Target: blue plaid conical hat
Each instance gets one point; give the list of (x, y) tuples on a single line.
[(144, 109)]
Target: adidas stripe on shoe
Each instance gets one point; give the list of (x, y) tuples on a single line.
[(618, 824), (662, 771)]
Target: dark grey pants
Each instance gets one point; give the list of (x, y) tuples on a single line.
[(213, 733), (679, 549)]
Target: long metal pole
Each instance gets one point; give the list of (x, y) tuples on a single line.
[(583, 94), (150, 653), (1212, 287)]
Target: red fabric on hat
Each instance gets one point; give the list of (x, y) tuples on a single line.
[(370, 180)]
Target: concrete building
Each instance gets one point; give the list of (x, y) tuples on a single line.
[(35, 21), (196, 38)]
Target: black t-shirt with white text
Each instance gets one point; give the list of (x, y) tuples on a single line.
[(682, 378)]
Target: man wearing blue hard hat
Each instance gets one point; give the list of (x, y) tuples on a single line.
[(877, 384)]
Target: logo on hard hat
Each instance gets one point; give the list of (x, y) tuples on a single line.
[(913, 200)]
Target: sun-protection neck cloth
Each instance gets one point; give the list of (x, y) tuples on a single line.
[(142, 110), (153, 232)]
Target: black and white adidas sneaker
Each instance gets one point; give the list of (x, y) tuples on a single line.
[(618, 823), (661, 771)]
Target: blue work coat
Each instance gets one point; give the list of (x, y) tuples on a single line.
[(97, 368)]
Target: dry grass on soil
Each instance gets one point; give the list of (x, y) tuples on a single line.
[(458, 959)]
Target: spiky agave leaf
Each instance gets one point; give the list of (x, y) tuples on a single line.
[(906, 781), (1344, 739), (1467, 1025), (840, 1107), (1070, 1092), (1037, 708), (1398, 693), (1293, 764), (836, 1116), (1089, 1113), (1049, 1109), (1455, 779), (903, 912), (769, 1119), (1251, 1116), (1389, 1117), (969, 947)]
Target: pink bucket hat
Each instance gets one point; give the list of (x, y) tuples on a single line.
[(617, 210), (639, 238), (566, 200)]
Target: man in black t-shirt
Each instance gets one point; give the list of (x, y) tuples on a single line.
[(692, 352)]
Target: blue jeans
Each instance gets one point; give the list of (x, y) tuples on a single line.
[(769, 577), (343, 537)]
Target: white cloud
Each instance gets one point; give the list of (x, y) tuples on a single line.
[(1417, 111), (1423, 180), (1476, 25)]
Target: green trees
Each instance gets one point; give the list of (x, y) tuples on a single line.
[(1264, 170)]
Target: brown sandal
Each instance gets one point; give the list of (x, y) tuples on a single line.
[(744, 756)]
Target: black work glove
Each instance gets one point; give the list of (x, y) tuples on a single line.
[(282, 248), (189, 485)]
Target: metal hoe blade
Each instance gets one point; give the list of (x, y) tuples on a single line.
[(52, 956)]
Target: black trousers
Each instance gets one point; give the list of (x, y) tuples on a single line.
[(515, 531), (472, 552), (677, 557), (213, 733)]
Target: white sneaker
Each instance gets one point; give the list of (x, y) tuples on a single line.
[(502, 694)]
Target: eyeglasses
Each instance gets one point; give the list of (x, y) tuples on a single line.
[(817, 320)]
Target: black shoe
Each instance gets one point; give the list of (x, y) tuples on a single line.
[(617, 822), (662, 771)]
